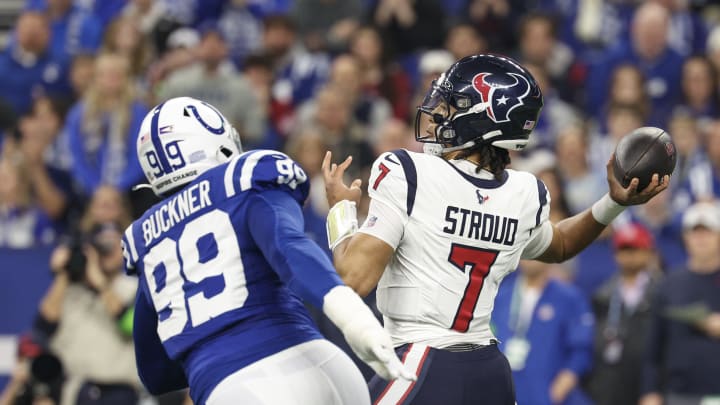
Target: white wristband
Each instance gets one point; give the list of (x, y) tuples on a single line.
[(606, 209), (341, 222), (344, 308)]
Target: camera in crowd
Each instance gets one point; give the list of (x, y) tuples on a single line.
[(45, 380), (99, 239)]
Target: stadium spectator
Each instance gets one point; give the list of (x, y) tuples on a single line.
[(663, 222), (23, 223), (86, 315), (82, 70), (381, 75), (331, 115), (538, 45), (464, 40), (495, 21), (326, 25), (683, 348), (686, 132), (532, 309), (257, 69), (100, 127), (49, 183), (146, 13), (73, 30), (582, 184), (395, 134), (713, 48), (124, 37), (107, 205), (688, 31), (627, 87), (368, 109), (214, 78), (298, 74), (648, 50), (705, 177), (699, 90), (240, 23), (27, 66), (37, 378), (622, 314), (408, 26)]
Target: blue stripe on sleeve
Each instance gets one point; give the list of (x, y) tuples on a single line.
[(542, 196), (410, 175)]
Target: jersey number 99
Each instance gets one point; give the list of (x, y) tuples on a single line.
[(172, 268)]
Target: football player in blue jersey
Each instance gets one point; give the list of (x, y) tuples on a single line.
[(444, 229), (223, 264)]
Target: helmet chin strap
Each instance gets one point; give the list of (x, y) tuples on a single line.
[(437, 149)]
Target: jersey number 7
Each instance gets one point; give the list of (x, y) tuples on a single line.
[(479, 262)]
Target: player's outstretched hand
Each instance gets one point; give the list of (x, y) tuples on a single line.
[(335, 188), (631, 195), (374, 346), (366, 337)]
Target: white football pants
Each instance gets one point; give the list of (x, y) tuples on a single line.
[(312, 373)]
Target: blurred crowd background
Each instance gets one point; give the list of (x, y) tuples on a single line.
[(306, 76)]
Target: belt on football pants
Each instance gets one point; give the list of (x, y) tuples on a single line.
[(468, 347)]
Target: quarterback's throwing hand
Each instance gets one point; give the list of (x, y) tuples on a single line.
[(335, 188)]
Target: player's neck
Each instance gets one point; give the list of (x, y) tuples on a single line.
[(475, 159)]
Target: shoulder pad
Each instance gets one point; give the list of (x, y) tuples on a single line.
[(266, 170), (393, 179)]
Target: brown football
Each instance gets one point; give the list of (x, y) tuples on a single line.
[(642, 153)]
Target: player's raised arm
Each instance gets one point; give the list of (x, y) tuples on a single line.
[(573, 234), (359, 258)]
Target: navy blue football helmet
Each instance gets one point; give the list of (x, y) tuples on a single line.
[(481, 99)]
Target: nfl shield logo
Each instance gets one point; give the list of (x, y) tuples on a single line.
[(529, 124)]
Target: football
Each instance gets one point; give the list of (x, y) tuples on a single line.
[(642, 153)]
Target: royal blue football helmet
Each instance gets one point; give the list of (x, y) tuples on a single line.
[(481, 99)]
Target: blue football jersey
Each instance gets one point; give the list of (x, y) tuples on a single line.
[(222, 263)]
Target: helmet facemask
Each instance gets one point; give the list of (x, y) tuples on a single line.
[(442, 108)]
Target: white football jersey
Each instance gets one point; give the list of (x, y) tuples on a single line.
[(456, 234)]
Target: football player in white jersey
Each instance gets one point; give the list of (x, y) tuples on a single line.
[(445, 227)]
